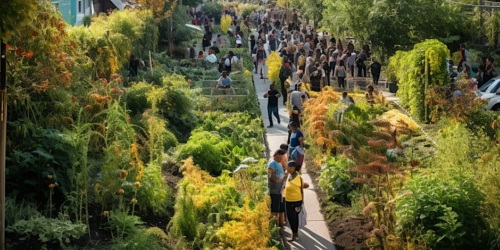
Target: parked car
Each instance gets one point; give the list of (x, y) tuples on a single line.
[(490, 92)]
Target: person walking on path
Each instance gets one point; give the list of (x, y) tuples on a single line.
[(284, 74), (294, 196), (261, 57), (276, 177), (272, 105)]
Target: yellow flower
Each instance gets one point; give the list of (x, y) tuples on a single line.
[(121, 191), (123, 174), (49, 177), (105, 213), (134, 201), (52, 185), (137, 184)]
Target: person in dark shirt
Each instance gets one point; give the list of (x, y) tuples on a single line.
[(272, 105), (133, 65), (375, 69)]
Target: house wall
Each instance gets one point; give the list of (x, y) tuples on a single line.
[(67, 9)]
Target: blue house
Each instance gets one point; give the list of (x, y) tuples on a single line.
[(73, 11)]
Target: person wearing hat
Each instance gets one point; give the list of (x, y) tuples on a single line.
[(294, 196)]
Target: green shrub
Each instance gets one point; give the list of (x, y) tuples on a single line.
[(209, 150), (214, 10), (154, 195), (60, 230), (15, 211), (335, 179), (448, 209), (123, 225), (185, 221), (135, 97), (484, 120), (418, 69), (45, 152), (142, 239)]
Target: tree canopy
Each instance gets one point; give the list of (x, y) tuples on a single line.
[(14, 15)]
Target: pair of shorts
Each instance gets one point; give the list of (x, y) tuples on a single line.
[(277, 203)]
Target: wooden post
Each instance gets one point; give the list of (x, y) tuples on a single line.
[(150, 62), (3, 139)]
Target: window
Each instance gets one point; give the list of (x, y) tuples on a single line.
[(80, 7)]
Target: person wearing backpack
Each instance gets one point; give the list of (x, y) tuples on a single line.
[(285, 72)]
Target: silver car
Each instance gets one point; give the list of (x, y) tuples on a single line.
[(490, 92)]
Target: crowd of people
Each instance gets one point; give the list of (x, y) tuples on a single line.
[(308, 56)]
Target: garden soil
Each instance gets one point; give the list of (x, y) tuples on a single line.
[(347, 232)]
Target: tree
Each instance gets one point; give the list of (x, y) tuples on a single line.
[(162, 10), (417, 72), (392, 24), (14, 15)]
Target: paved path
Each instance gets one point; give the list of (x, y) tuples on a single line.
[(315, 235)]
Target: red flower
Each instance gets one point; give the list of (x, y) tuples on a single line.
[(8, 47)]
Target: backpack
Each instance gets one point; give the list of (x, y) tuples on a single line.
[(220, 67), (298, 157)]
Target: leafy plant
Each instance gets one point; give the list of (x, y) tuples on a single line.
[(448, 208), (60, 230), (214, 10), (143, 239), (16, 211), (154, 194), (415, 78), (44, 152), (335, 179), (123, 225)]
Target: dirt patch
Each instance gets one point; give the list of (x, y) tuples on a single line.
[(346, 231), (350, 233)]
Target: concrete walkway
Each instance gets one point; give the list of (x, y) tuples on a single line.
[(315, 235)]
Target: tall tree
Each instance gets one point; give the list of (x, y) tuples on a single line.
[(392, 24)]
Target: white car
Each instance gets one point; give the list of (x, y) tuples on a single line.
[(490, 92)]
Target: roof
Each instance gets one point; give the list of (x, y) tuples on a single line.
[(122, 4)]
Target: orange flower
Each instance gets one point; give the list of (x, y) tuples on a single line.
[(105, 213), (88, 108), (74, 99), (134, 201), (29, 55), (121, 191), (7, 47), (52, 185), (49, 177)]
